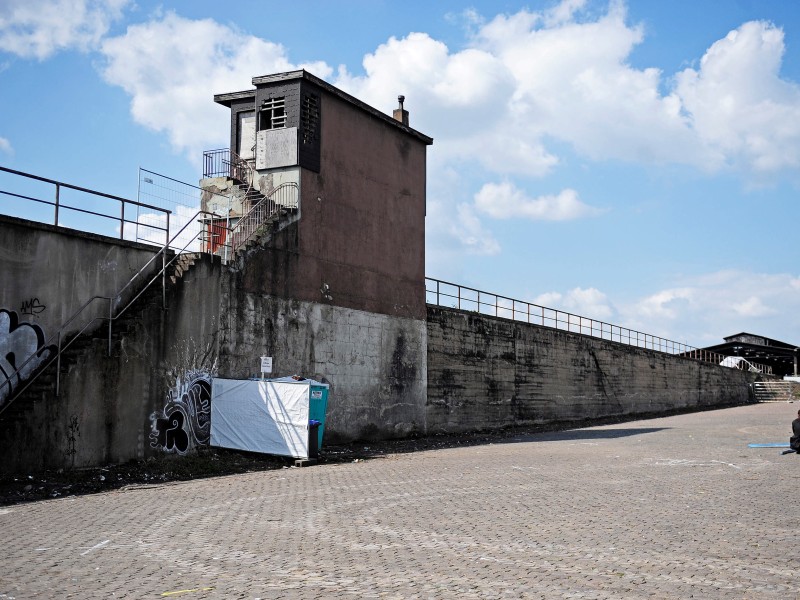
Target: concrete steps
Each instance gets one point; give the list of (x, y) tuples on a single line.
[(269, 227), (94, 342), (776, 391), (182, 265)]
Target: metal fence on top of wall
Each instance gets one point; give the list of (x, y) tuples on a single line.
[(452, 295), (184, 200)]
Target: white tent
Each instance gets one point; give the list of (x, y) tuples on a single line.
[(261, 416)]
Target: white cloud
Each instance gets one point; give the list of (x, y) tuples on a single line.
[(706, 308), (452, 229), (525, 79), (574, 83), (39, 28), (5, 146), (563, 74), (472, 235), (171, 67), (505, 201), (699, 311), (590, 303), (752, 307), (461, 98), (424, 70), (738, 103)]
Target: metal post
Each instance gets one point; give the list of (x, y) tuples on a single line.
[(58, 364), (164, 269), (58, 188), (121, 220), (110, 321), (138, 200), (438, 302)]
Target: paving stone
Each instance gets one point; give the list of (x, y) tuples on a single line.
[(677, 507)]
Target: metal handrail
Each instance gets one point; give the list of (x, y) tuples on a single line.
[(162, 272), (283, 196), (226, 163), (111, 317), (58, 204), (520, 310)]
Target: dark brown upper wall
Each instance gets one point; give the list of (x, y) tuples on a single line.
[(371, 190), (362, 219)]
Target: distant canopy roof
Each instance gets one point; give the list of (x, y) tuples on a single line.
[(758, 349), (752, 338)]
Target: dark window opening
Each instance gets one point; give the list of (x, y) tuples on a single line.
[(272, 114), (309, 118)]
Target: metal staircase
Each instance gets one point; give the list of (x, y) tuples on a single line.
[(264, 212), (39, 373), (260, 211)]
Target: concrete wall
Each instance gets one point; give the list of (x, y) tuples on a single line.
[(152, 395), (374, 363), (146, 397), (390, 375), (486, 373), (46, 276)]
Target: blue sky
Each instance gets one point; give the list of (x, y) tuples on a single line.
[(636, 162)]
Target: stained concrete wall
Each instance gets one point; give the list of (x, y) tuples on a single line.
[(374, 363), (390, 376), (143, 399), (487, 373), (152, 395), (47, 276)]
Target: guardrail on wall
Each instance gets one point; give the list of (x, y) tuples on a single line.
[(452, 295), (159, 226)]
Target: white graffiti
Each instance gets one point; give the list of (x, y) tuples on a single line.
[(22, 352), (185, 421)]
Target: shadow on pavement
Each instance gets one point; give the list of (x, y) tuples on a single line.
[(585, 434)]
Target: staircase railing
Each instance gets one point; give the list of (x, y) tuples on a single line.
[(57, 338), (226, 163), (285, 196)]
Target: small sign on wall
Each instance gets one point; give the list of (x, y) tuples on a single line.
[(266, 365)]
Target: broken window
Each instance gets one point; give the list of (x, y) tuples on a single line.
[(309, 117), (272, 114)]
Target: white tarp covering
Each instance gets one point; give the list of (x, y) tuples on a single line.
[(260, 416), (736, 362), (730, 361)]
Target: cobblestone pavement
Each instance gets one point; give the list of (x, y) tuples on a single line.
[(677, 507)]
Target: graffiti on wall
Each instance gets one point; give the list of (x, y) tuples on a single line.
[(32, 307), (22, 352), (185, 421), (73, 433)]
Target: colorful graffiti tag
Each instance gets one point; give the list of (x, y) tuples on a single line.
[(185, 421), (22, 352)]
